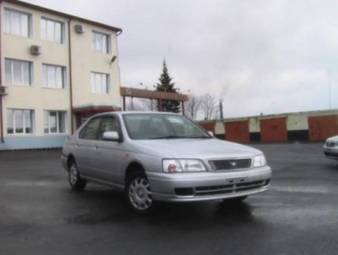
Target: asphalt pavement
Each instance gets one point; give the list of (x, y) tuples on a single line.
[(298, 215)]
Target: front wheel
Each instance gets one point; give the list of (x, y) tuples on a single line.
[(75, 181), (138, 193)]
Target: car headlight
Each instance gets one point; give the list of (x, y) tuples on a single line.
[(330, 143), (259, 161), (182, 165)]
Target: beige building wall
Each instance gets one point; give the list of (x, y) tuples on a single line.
[(36, 97), (86, 60)]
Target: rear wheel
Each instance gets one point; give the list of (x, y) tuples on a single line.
[(138, 193), (75, 181)]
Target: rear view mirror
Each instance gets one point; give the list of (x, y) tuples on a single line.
[(211, 133), (111, 136)]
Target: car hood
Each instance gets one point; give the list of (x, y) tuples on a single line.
[(195, 148), (333, 138)]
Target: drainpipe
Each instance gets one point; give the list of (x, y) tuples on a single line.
[(70, 77), (1, 105)]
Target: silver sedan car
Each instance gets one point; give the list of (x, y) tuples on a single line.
[(161, 157), (331, 147)]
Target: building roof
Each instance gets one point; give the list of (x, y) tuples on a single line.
[(152, 94), (119, 112), (96, 108), (70, 16), (277, 115)]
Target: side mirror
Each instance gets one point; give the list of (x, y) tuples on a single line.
[(111, 136), (211, 133)]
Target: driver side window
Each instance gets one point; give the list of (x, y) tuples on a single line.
[(108, 124), (89, 132)]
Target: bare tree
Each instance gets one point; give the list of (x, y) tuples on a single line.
[(208, 106), (192, 106)]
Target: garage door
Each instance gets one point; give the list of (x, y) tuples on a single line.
[(322, 127), (237, 131), (274, 130)]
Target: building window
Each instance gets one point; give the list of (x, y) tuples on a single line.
[(101, 42), (18, 72), (19, 121), (54, 76), (100, 83), (54, 122), (17, 23), (52, 30)]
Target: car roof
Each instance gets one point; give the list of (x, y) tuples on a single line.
[(134, 112)]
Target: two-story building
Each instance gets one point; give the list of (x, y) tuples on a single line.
[(56, 70)]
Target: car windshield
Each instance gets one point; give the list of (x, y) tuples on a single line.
[(161, 126)]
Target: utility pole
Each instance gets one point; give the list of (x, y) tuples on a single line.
[(330, 88), (221, 109)]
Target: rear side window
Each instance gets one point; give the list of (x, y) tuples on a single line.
[(89, 132)]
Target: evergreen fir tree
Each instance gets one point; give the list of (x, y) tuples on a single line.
[(165, 84)]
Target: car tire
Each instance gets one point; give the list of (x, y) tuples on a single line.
[(75, 181), (138, 193)]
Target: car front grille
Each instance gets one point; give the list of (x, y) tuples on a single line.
[(230, 188), (228, 164)]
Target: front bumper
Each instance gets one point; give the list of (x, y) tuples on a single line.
[(189, 187), (331, 152)]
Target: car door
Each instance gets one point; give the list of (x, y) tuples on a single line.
[(110, 154), (86, 147)]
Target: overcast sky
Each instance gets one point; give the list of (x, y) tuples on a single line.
[(267, 56)]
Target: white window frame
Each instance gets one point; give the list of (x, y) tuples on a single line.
[(44, 31), (11, 80), (107, 36), (8, 27), (14, 110), (46, 113), (45, 80), (94, 86)]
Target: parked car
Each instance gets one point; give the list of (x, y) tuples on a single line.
[(331, 147), (161, 157)]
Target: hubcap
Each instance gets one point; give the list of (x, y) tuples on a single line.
[(73, 175), (140, 194)]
